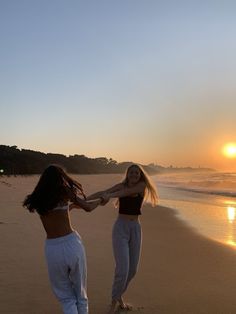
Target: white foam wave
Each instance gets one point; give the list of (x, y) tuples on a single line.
[(223, 184)]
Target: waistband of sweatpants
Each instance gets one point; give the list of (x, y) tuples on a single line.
[(73, 235), (128, 221)]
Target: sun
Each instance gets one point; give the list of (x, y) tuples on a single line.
[(229, 150)]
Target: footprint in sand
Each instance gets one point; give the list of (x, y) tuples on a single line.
[(6, 183)]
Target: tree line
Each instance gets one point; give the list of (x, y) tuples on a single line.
[(15, 161)]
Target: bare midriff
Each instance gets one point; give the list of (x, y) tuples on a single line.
[(129, 217), (57, 224)]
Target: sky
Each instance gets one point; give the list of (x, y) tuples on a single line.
[(145, 81)]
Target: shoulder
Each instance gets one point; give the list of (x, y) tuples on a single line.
[(142, 189), (138, 187), (142, 185)]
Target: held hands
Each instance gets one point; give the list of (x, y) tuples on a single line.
[(102, 196), (91, 203), (104, 199), (94, 196)]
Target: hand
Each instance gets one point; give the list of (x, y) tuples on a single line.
[(104, 199), (94, 196)]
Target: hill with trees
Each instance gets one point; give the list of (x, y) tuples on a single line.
[(15, 161)]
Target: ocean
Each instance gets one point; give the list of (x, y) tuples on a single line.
[(206, 201)]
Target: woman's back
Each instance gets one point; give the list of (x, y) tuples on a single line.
[(57, 223)]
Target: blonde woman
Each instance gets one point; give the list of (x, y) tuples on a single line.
[(127, 234)]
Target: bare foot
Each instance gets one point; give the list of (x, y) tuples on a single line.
[(113, 307), (125, 306)]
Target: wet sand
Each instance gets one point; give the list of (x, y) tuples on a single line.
[(180, 271)]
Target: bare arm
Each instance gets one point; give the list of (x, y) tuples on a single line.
[(126, 191), (114, 188), (87, 206), (95, 195)]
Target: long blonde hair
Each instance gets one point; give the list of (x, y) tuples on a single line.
[(150, 193)]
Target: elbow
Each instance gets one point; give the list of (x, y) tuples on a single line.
[(88, 209)]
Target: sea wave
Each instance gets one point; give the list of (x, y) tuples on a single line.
[(223, 184)]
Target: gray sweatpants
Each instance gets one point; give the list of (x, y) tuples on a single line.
[(67, 272), (126, 240)]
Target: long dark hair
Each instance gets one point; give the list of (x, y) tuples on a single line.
[(54, 187)]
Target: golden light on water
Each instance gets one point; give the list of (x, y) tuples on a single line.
[(231, 242), (229, 150), (231, 213)]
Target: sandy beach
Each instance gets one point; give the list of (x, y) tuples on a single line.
[(180, 272)]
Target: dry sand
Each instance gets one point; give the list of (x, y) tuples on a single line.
[(180, 272)]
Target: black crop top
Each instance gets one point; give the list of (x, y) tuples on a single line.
[(130, 205)]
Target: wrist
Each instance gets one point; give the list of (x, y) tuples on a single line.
[(101, 199)]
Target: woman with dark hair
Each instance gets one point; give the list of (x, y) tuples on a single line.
[(127, 234), (54, 196)]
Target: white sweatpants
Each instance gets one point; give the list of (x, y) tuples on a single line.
[(67, 271), (127, 241)]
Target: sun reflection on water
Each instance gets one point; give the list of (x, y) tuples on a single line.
[(231, 214)]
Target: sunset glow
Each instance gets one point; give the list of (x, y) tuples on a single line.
[(135, 93), (229, 150)]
